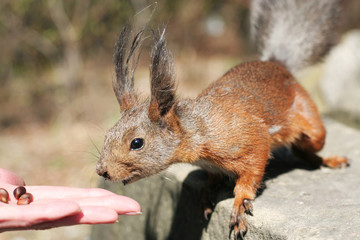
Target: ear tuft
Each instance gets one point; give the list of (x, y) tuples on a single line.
[(126, 58), (162, 77)]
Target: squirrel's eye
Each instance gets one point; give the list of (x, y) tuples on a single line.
[(137, 144)]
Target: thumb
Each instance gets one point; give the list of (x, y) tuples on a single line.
[(10, 177)]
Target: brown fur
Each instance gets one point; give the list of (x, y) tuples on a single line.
[(231, 127)]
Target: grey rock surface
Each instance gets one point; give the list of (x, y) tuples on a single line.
[(340, 83), (297, 202)]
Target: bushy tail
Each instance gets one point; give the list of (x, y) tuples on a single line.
[(295, 32)]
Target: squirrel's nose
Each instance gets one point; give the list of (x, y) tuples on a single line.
[(101, 171), (106, 175)]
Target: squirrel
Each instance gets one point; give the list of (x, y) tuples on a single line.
[(234, 124)]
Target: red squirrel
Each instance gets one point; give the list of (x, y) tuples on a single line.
[(233, 125)]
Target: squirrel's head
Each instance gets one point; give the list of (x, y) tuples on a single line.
[(144, 140)]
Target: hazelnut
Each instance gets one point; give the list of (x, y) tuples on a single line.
[(24, 199), (4, 195), (19, 191)]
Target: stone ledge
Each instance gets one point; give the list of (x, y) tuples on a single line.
[(297, 202)]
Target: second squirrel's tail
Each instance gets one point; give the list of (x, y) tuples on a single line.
[(295, 32)]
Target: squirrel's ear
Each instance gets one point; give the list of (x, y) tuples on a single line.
[(125, 60), (162, 78)]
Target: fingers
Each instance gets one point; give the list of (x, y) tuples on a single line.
[(87, 197), (23, 216), (120, 204), (55, 192), (53, 218), (46, 214), (82, 196), (64, 206), (88, 215), (66, 192)]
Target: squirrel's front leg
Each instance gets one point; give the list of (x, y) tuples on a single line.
[(245, 189)]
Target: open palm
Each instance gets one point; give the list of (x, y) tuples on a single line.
[(56, 206)]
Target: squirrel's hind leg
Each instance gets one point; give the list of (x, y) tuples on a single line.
[(311, 137), (299, 149)]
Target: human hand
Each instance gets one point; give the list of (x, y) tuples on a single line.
[(56, 206)]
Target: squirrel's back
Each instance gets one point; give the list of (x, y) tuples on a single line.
[(263, 89), (296, 33)]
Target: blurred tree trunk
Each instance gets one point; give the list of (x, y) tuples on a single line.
[(70, 31)]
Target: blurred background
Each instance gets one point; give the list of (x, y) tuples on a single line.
[(56, 99)]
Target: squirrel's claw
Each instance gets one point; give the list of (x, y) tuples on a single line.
[(207, 213), (248, 207), (206, 203), (237, 223), (239, 229)]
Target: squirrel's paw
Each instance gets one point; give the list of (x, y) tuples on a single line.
[(207, 204), (335, 162), (237, 223)]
